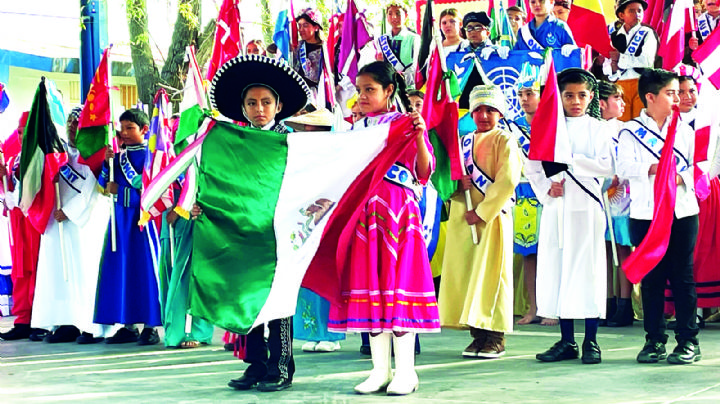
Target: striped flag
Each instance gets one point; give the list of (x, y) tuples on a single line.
[(550, 141), (672, 44), (281, 36), (355, 35), (299, 216), (708, 57), (4, 99), (42, 157), (587, 23)]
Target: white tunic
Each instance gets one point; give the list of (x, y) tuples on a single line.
[(58, 302), (571, 278)]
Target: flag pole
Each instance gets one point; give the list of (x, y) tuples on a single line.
[(111, 163), (443, 63), (608, 217), (61, 229), (5, 188)]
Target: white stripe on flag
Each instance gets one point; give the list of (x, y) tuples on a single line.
[(320, 165)]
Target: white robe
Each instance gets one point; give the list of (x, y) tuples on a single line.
[(58, 302), (571, 278)]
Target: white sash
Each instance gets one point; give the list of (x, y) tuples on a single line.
[(654, 143), (521, 135), (389, 55), (480, 180), (71, 176), (636, 41), (704, 26), (529, 39), (402, 176)]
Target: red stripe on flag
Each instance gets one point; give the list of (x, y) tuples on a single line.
[(43, 204), (589, 28), (332, 256), (544, 131)]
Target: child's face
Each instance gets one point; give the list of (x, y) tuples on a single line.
[(529, 100), (372, 97), (613, 107), (485, 118), (306, 29), (712, 6), (662, 103), (688, 95), (260, 106), (476, 33), (131, 133), (450, 26), (516, 20), (416, 102), (632, 15), (575, 98), (540, 8), (356, 114), (396, 16), (561, 12)]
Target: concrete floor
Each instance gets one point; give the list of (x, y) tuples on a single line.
[(36, 372)]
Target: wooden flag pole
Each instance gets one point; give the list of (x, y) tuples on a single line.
[(468, 198), (61, 229)]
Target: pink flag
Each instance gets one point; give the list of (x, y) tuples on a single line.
[(228, 40), (653, 247), (550, 141), (654, 14), (672, 43), (354, 36), (708, 57)]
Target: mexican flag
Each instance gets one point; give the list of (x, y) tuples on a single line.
[(94, 123), (272, 203)]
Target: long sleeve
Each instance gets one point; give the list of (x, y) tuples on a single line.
[(647, 55), (601, 165), (539, 182), (507, 176), (629, 163), (78, 206)]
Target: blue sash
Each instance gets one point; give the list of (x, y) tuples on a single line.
[(302, 55), (654, 143), (402, 176), (529, 39), (389, 55), (132, 176), (636, 41)]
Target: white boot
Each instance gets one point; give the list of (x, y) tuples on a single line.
[(405, 380), (381, 373)]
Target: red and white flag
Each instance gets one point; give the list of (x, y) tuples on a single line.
[(228, 40), (672, 43), (550, 141), (708, 57)]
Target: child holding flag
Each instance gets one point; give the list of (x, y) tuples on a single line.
[(641, 143), (127, 290), (545, 31), (571, 251)]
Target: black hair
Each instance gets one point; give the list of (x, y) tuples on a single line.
[(682, 79), (607, 89), (256, 85), (415, 93), (385, 74), (652, 81), (581, 76), (137, 116)]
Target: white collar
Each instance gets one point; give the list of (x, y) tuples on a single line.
[(266, 127)]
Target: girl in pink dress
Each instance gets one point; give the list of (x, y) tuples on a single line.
[(388, 289)]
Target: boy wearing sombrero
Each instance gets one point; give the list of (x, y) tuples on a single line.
[(635, 50), (261, 91)]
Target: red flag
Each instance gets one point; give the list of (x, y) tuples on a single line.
[(94, 121), (228, 41), (587, 23), (672, 44), (550, 141), (655, 14), (653, 247), (708, 57), (333, 36)]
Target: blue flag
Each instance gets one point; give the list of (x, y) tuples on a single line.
[(281, 37)]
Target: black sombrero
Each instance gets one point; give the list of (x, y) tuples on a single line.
[(237, 74)]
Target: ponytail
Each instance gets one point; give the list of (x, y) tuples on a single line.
[(401, 92)]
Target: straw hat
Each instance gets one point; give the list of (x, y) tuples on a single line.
[(320, 117)]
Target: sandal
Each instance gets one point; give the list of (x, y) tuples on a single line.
[(189, 344)]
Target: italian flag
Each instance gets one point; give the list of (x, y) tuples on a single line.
[(93, 125), (272, 203)]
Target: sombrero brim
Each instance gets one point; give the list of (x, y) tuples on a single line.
[(238, 73)]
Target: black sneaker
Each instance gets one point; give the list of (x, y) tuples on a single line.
[(123, 336), (149, 336), (684, 353), (87, 338), (18, 332), (64, 333), (652, 352), (562, 350), (38, 334), (591, 352)]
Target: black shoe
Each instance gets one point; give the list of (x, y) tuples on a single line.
[(229, 347), (417, 344), (685, 352), (245, 382), (149, 336), (87, 338), (19, 331), (611, 307), (365, 349), (562, 350), (64, 333), (274, 384), (123, 336), (591, 352), (38, 334), (652, 352), (624, 315)]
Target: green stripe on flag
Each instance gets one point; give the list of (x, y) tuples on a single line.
[(441, 178), (91, 140), (238, 187)]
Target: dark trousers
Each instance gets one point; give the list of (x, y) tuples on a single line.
[(677, 268), (280, 362)]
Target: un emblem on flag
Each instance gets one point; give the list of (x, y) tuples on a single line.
[(506, 77)]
